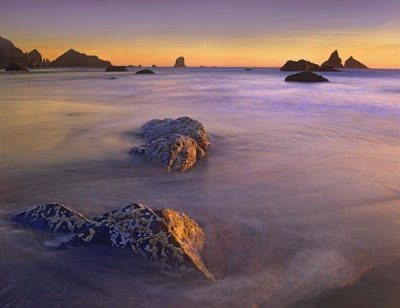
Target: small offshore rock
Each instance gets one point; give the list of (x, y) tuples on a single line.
[(306, 77), (113, 68), (180, 62), (145, 71), (353, 63)]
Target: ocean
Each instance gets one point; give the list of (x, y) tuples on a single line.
[(299, 195)]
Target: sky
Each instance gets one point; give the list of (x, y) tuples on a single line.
[(222, 33)]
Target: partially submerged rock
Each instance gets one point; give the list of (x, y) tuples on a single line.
[(165, 236), (145, 71), (353, 63), (174, 143), (15, 67), (306, 77), (304, 65), (113, 68)]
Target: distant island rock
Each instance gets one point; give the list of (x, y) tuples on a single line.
[(180, 62), (15, 67), (34, 59), (334, 61), (154, 66), (113, 68), (306, 77), (145, 71), (73, 58), (353, 63), (304, 65)]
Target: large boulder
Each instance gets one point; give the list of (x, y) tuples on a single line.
[(146, 71), (353, 63), (174, 143), (306, 77), (113, 68), (73, 58), (165, 236), (180, 62), (333, 61), (15, 67)]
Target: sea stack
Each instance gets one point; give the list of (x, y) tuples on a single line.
[(34, 59), (306, 77), (333, 61), (73, 58), (113, 68), (353, 63), (180, 62)]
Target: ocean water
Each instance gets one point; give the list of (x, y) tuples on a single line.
[(299, 195)]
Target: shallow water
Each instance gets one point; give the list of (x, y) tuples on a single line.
[(299, 194)]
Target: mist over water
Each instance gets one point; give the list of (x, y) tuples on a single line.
[(299, 193)]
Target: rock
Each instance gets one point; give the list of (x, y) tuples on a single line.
[(34, 59), (304, 65), (353, 63), (306, 77), (10, 54), (165, 236), (52, 217), (113, 68), (154, 66), (177, 144), (112, 78), (73, 58), (248, 69), (145, 71), (16, 68), (177, 152), (180, 62), (333, 61)]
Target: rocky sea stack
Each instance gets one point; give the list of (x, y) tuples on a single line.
[(73, 58), (304, 65), (113, 68), (146, 71), (334, 61), (176, 144), (306, 77), (353, 63), (180, 62), (165, 236)]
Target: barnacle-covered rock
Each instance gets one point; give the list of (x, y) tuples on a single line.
[(52, 217), (156, 128), (177, 152), (165, 236)]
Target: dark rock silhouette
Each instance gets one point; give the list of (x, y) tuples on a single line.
[(154, 66), (180, 62), (73, 58), (177, 144), (306, 77), (304, 65), (248, 69), (113, 68), (145, 71), (10, 54), (353, 63), (333, 61), (165, 236), (34, 59), (15, 67)]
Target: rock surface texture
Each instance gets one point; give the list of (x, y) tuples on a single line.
[(180, 62), (353, 63), (334, 61), (164, 236), (306, 77), (174, 143)]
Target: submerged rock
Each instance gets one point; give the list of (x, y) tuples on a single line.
[(174, 143), (113, 68), (15, 67), (306, 77), (353, 63), (180, 62), (165, 236), (333, 61), (145, 71)]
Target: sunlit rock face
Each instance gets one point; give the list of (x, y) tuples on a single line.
[(174, 143), (180, 62), (353, 63), (334, 61), (164, 236)]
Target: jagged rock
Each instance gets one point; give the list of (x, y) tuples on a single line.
[(113, 68), (174, 143), (52, 217), (73, 58), (304, 65), (306, 77), (353, 63), (34, 59), (14, 67), (165, 236), (333, 61), (177, 152), (180, 62), (145, 71)]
